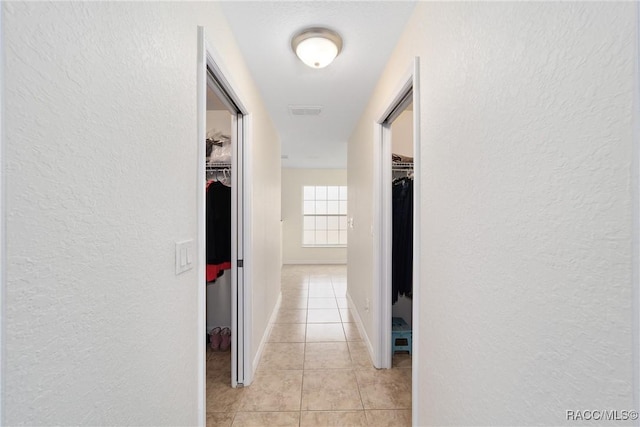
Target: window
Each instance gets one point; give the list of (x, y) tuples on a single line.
[(324, 216)]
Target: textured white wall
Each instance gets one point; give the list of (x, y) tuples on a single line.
[(526, 117), (101, 146), (292, 182)]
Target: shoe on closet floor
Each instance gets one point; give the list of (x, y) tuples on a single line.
[(225, 336), (215, 339)]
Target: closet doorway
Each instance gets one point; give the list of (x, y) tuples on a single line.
[(397, 229), (224, 288)]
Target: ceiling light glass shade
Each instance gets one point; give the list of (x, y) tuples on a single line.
[(317, 52), (317, 47)]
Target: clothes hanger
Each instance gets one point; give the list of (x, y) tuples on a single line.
[(226, 177)]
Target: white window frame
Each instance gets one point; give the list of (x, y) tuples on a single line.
[(341, 215)]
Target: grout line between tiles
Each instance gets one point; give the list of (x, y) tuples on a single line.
[(304, 355), (305, 367), (358, 385)]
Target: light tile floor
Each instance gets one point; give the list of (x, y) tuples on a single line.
[(315, 369)]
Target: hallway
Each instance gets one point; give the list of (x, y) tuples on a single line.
[(315, 369)]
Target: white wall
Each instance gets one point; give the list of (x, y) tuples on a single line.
[(402, 134), (101, 153), (526, 260), (292, 182), (219, 302), (219, 121)]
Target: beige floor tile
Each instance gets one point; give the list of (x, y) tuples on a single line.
[(385, 388), (338, 385), (323, 315), (295, 282), (322, 303), (320, 281), (360, 354), (294, 286), (389, 418), (278, 355), (219, 360), (321, 291), (332, 418), (324, 332), (330, 390), (287, 332), (291, 316), (295, 270), (273, 391), (346, 315), (267, 419), (221, 397), (401, 360), (293, 302), (327, 355), (351, 332), (218, 376), (295, 293), (340, 289), (219, 419), (342, 302), (321, 275)]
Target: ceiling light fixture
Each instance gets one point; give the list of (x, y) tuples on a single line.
[(317, 47)]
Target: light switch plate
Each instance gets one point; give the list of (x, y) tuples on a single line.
[(185, 255)]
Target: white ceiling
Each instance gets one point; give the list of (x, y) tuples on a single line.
[(369, 30)]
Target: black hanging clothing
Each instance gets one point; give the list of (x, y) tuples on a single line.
[(218, 223), (402, 241)]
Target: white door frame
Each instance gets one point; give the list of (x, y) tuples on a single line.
[(242, 368), (636, 219), (3, 244), (383, 229)]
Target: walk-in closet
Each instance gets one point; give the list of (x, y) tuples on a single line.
[(225, 313), (402, 199), (218, 226)]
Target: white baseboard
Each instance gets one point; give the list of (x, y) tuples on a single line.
[(267, 332), (361, 329)]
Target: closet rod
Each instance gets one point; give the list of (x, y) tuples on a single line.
[(402, 166), (218, 165)]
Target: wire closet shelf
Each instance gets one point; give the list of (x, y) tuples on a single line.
[(215, 166), (402, 166)]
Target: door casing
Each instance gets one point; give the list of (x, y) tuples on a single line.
[(211, 68), (383, 229)]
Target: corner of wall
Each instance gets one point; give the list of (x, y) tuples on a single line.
[(265, 337), (362, 329)]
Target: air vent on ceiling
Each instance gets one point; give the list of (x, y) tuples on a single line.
[(305, 110)]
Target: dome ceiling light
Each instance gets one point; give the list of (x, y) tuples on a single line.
[(317, 47)]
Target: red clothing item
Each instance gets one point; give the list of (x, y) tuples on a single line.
[(215, 271)]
